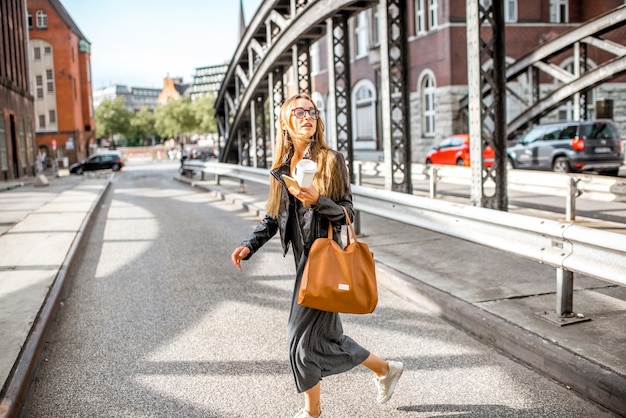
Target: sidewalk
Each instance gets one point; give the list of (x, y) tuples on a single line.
[(490, 294), (41, 229)]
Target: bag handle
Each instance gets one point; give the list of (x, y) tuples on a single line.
[(349, 223)]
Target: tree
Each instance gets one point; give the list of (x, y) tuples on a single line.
[(142, 127), (204, 109), (175, 119), (112, 118)]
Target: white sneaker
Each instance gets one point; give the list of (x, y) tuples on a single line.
[(387, 384), (304, 414)]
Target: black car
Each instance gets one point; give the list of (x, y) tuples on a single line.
[(110, 160), (570, 147)]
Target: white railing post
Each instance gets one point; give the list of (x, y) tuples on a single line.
[(433, 182)]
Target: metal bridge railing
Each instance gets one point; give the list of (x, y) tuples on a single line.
[(567, 247), (571, 186)]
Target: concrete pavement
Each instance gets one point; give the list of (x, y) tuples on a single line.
[(497, 299), (42, 229)]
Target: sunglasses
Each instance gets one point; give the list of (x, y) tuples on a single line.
[(300, 112)]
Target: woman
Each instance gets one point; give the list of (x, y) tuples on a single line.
[(317, 346)]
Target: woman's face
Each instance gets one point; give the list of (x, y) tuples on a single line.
[(306, 126)]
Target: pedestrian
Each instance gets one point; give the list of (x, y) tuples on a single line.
[(317, 345), (42, 159)]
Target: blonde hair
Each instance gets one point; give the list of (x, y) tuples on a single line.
[(328, 181)]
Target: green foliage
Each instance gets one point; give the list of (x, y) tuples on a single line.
[(204, 108), (142, 127), (112, 118), (176, 119)]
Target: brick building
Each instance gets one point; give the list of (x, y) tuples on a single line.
[(17, 147), (60, 59), (173, 89), (437, 66)]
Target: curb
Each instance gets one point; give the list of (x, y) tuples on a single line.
[(591, 380), (27, 363)]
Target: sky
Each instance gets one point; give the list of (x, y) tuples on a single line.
[(140, 42)]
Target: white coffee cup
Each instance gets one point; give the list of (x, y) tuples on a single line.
[(304, 172)]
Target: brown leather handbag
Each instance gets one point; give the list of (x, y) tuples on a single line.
[(339, 280)]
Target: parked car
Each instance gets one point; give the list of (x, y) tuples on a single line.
[(455, 150), (566, 147), (109, 160)]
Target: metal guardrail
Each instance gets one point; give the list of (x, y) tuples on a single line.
[(568, 247), (571, 186)]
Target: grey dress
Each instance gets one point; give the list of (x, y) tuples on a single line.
[(317, 345)]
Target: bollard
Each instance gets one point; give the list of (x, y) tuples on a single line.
[(242, 188)]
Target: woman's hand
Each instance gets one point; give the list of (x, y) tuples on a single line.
[(239, 254), (307, 195)]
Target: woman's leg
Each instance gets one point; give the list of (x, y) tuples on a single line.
[(387, 375), (312, 400), (377, 365)]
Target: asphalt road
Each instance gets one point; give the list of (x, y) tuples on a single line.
[(160, 324)]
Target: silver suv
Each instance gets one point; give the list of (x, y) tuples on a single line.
[(570, 147)]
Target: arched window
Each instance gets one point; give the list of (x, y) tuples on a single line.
[(42, 19), (428, 88), (364, 111)]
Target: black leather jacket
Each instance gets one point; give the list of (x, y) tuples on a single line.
[(314, 223)]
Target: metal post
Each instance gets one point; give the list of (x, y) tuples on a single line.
[(570, 200), (564, 292), (564, 315), (433, 182)]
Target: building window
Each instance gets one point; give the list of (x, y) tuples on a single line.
[(4, 156), (42, 19), (42, 121), (364, 114), (559, 11), (50, 81), (434, 14), (30, 20), (428, 106), (22, 135), (52, 116), (420, 17), (39, 84), (47, 50), (37, 53), (315, 58), (361, 35), (376, 25), (364, 111), (510, 11)]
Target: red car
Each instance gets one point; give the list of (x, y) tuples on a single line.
[(455, 150)]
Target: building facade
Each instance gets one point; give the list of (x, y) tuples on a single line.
[(207, 80), (60, 57), (437, 66), (134, 97), (17, 143)]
